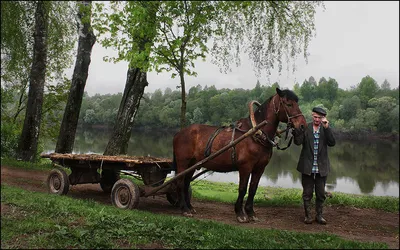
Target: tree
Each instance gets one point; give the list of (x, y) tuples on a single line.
[(385, 85), (367, 89), (384, 106), (267, 31), (327, 90), (349, 108), (66, 138), (308, 91), (132, 28), (35, 44), (30, 133)]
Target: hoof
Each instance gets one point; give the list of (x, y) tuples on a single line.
[(242, 219), (187, 214), (253, 219), (193, 211)]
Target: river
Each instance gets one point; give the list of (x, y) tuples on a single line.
[(357, 167)]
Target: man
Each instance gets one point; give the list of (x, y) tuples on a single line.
[(314, 162)]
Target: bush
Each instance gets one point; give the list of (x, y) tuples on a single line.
[(9, 139)]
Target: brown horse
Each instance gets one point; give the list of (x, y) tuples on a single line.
[(250, 156)]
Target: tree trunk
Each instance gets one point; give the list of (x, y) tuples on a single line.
[(134, 88), (30, 133), (183, 98), (66, 138)]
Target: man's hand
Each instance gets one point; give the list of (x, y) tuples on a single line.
[(325, 122)]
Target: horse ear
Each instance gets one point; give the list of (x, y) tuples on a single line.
[(279, 92)]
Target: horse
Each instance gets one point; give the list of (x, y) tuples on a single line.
[(249, 157)]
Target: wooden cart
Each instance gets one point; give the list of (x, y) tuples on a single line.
[(87, 168), (125, 193)]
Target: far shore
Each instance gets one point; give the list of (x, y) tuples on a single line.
[(343, 135)]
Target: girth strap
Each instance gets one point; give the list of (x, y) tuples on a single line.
[(210, 141)]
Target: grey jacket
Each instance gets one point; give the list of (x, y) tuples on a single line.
[(326, 139)]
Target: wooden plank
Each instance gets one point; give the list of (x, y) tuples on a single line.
[(107, 158)]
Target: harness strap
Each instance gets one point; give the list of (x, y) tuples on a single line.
[(210, 141), (233, 154)]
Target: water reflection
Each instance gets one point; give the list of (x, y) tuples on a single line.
[(356, 167)]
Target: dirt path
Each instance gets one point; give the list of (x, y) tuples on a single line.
[(349, 223)]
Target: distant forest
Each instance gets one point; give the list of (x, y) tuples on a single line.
[(367, 107)]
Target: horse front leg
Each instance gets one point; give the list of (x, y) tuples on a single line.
[(241, 215), (255, 179)]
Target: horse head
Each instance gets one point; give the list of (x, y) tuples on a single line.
[(286, 107)]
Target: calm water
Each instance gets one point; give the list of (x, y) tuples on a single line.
[(356, 167)]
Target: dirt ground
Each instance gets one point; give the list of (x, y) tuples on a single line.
[(347, 222)]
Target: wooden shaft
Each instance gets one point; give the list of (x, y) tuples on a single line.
[(231, 144)]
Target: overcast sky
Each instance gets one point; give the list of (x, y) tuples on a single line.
[(353, 40)]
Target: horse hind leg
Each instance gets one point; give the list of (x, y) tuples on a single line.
[(187, 181), (183, 192), (241, 215)]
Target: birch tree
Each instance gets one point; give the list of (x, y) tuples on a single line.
[(66, 138)]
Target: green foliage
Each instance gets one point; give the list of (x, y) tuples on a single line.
[(387, 119), (9, 139), (349, 108), (269, 31), (213, 106), (17, 27), (367, 89), (130, 27), (17, 40), (171, 35)]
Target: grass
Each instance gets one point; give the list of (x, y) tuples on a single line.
[(39, 220), (275, 196), (266, 196)]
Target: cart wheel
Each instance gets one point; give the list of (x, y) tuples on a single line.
[(125, 194), (172, 197), (58, 181)]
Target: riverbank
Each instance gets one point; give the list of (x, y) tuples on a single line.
[(344, 135)]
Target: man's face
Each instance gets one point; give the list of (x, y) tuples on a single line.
[(317, 118)]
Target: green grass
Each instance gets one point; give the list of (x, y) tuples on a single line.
[(275, 196), (43, 164), (40, 220), (266, 196)]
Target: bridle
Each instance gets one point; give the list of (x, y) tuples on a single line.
[(289, 118), (260, 136)]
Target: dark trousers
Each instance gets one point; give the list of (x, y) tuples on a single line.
[(311, 181)]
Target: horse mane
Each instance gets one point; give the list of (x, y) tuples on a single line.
[(290, 95)]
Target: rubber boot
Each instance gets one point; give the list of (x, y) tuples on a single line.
[(307, 210), (319, 217)]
